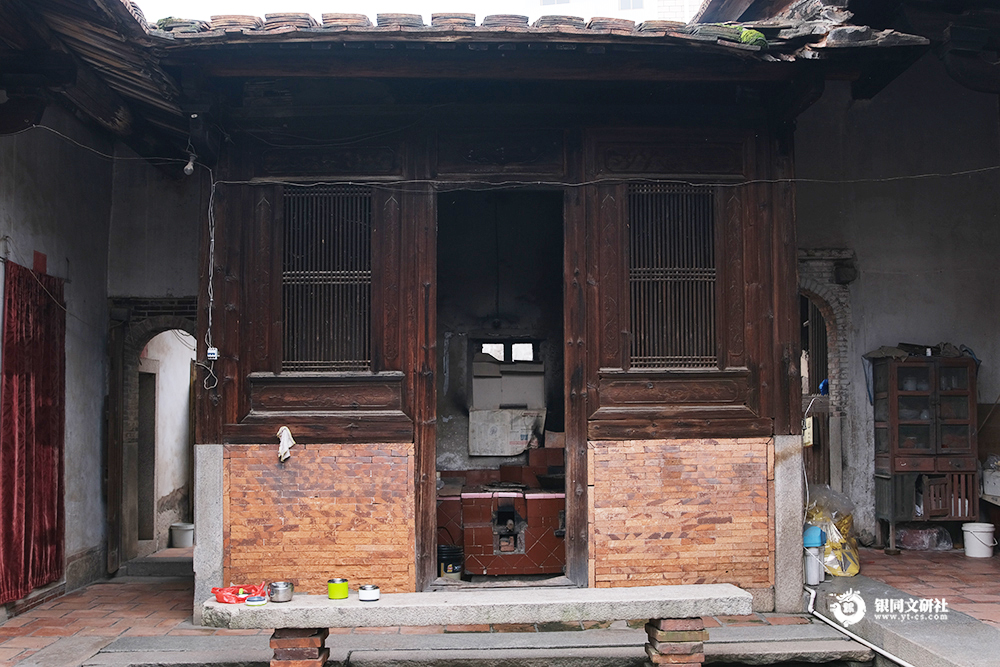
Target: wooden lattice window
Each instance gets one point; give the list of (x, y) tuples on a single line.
[(327, 278), (672, 276)]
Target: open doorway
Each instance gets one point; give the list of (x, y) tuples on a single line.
[(164, 442), (500, 411), (815, 374)]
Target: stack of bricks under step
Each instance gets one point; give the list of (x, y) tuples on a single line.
[(678, 642), (299, 647)]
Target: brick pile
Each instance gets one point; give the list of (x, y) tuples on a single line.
[(682, 512), (676, 641), (329, 511), (299, 647)]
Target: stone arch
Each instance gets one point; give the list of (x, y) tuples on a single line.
[(817, 282), (814, 292)]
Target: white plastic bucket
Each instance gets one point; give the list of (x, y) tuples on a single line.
[(979, 540), (182, 534)]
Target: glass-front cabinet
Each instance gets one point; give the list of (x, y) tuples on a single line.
[(925, 438)]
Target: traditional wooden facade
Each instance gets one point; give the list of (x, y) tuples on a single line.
[(671, 417), (669, 465)]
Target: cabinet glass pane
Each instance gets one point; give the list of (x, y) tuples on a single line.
[(913, 379), (953, 379), (955, 438), (954, 407), (881, 441), (912, 408), (915, 438), (881, 410)]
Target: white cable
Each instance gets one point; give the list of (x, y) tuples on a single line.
[(860, 640)]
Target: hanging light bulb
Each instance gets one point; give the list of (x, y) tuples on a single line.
[(189, 167)]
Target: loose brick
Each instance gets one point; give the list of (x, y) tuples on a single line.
[(282, 633), (658, 658), (312, 662), (677, 624), (675, 648), (656, 635), (316, 639), (304, 653)]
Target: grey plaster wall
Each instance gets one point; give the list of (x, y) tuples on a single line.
[(926, 247), (155, 220), (55, 198), (513, 240)]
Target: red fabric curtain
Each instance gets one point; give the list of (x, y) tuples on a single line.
[(32, 422)]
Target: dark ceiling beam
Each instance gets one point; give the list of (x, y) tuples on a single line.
[(36, 69), (494, 65), (88, 93)]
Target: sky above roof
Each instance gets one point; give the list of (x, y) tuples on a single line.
[(636, 10)]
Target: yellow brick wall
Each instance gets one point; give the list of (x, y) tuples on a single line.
[(681, 512), (329, 511)]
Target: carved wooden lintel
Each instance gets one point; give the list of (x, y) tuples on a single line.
[(380, 160), (519, 152)]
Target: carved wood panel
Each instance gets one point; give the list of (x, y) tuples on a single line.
[(289, 392), (732, 302), (682, 156), (674, 388), (374, 160), (501, 152), (612, 206)]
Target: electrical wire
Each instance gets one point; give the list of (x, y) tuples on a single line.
[(211, 381)]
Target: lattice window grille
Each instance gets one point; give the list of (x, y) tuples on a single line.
[(672, 276), (326, 279)]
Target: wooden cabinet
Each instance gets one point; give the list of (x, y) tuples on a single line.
[(925, 439)]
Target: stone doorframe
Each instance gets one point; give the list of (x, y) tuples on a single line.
[(824, 276), (142, 319)]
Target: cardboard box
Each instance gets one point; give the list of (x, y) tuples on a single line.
[(503, 432), (991, 482), (523, 384)]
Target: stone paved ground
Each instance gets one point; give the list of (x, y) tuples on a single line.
[(969, 585), (149, 607)]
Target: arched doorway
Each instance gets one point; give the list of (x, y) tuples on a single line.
[(815, 372), (150, 434)]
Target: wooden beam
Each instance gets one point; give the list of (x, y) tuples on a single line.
[(36, 69), (719, 11), (492, 64), (89, 93)]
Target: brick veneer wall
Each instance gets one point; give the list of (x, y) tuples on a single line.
[(682, 512), (329, 511)]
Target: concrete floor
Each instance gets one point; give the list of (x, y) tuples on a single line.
[(969, 585), (147, 607)]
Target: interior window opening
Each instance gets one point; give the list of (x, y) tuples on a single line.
[(500, 458)]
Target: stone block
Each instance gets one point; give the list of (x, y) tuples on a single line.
[(676, 636)]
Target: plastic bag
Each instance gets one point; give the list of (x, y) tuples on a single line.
[(833, 512), (923, 538), (238, 594)]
